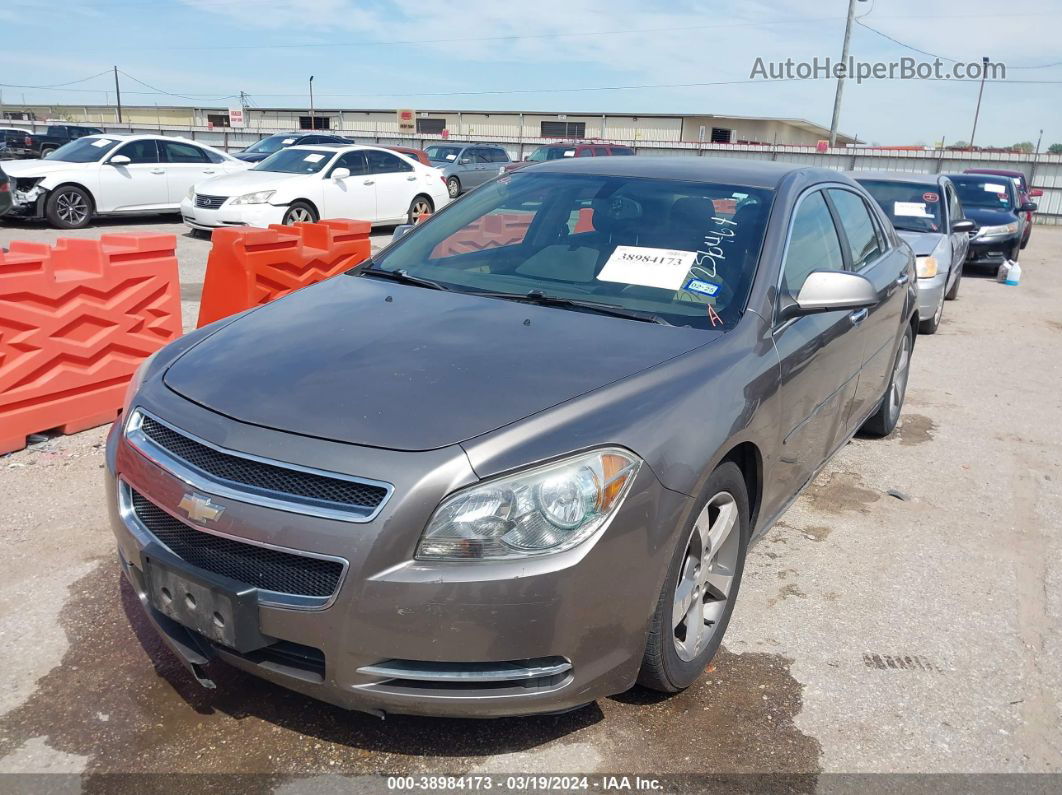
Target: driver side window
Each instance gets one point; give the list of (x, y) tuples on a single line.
[(144, 151), (813, 244)]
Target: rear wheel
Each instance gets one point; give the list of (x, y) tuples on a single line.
[(47, 150), (883, 422), (418, 208), (300, 213), (453, 186), (69, 207), (697, 600)]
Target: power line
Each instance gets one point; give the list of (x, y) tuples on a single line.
[(58, 85), (942, 57), (170, 93)]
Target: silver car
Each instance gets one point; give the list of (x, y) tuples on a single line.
[(926, 212), (466, 166), (502, 475)]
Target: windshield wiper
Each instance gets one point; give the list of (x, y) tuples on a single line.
[(400, 276), (540, 298)]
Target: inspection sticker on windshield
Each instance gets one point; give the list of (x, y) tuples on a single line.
[(910, 210), (288, 141), (313, 158), (649, 267), (992, 187), (702, 287), (101, 142)]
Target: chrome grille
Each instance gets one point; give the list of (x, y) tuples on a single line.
[(259, 475), (261, 567), (209, 202)]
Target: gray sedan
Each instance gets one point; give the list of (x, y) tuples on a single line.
[(926, 212), (513, 467), (466, 166)]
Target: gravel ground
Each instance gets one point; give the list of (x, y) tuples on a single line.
[(874, 633)]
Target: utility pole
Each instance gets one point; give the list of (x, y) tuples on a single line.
[(313, 124), (118, 94), (980, 92), (840, 79)]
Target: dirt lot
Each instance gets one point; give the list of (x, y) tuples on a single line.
[(874, 633)]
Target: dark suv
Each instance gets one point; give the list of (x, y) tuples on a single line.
[(258, 152)]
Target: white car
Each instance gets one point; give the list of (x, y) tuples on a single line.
[(119, 174), (307, 183)]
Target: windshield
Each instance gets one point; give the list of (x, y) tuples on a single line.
[(268, 146), (550, 153), (443, 153), (84, 150), (295, 161), (984, 192), (685, 252), (911, 207)]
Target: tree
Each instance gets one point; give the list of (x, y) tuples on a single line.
[(961, 144), (1055, 149), (1025, 146)]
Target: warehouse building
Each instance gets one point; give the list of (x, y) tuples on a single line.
[(503, 125)]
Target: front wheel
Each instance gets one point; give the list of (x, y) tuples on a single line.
[(953, 291), (299, 213), (418, 208), (453, 186), (69, 207), (931, 325), (883, 421), (697, 600)]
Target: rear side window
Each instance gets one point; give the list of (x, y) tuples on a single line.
[(813, 244), (384, 162), (863, 243), (499, 156), (584, 151), (177, 152), (622, 150)]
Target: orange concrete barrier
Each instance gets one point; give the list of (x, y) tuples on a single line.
[(250, 267), (75, 322)]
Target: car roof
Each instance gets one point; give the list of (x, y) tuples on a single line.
[(897, 176), (999, 172), (753, 173)]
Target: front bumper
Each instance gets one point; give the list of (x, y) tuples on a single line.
[(259, 215), (992, 250), (582, 614), (929, 294)]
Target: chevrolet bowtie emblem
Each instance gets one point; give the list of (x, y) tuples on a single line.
[(200, 509)]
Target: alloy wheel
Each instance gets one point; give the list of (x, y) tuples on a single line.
[(299, 215), (72, 208), (706, 576), (453, 187), (899, 379), (420, 207)]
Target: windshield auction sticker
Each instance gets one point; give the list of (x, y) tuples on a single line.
[(648, 267), (910, 210)]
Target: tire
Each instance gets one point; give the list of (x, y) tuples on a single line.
[(673, 659), (453, 186), (931, 325), (300, 213), (69, 207), (47, 150), (953, 291), (883, 421), (420, 206)]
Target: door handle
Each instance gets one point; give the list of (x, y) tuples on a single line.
[(903, 278), (411, 179), (209, 171), (158, 171), (859, 316), (369, 182)]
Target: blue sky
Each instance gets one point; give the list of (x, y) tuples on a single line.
[(545, 55)]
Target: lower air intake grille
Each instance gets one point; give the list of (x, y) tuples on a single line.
[(268, 569)]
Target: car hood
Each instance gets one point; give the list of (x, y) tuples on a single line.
[(364, 361), (986, 217), (923, 243), (244, 182), (39, 168), (250, 157)]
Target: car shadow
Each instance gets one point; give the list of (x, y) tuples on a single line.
[(240, 695), (104, 222)]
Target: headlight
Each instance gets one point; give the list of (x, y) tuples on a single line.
[(260, 197), (926, 267), (191, 193), (542, 510), (135, 382), (1005, 229)]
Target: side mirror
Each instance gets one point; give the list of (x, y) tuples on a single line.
[(1029, 207), (963, 225), (464, 161), (401, 231), (831, 291), (1035, 193), (119, 160), (340, 173)]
